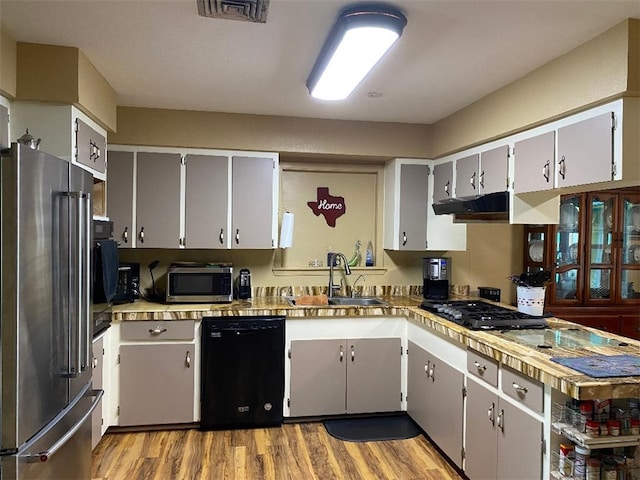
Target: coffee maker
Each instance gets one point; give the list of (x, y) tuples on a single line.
[(436, 277), (244, 284)]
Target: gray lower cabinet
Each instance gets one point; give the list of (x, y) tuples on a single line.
[(330, 377), (435, 400), (156, 384), (120, 196), (158, 200), (502, 441), (98, 384)]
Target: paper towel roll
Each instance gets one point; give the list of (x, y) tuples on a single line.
[(286, 230)]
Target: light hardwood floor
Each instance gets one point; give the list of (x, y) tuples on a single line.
[(298, 451)]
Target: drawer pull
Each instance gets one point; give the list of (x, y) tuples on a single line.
[(157, 331), (500, 420), (481, 368), (519, 388), (187, 359)]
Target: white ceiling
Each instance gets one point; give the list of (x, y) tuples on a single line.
[(158, 53)]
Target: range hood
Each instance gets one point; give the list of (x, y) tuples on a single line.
[(490, 207)]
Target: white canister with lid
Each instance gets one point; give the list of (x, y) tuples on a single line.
[(580, 462)]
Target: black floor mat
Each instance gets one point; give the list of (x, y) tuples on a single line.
[(372, 429)]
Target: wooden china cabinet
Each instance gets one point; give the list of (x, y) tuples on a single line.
[(594, 258)]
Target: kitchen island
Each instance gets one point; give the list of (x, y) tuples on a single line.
[(461, 386)]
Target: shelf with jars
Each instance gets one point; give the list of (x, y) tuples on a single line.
[(594, 256)]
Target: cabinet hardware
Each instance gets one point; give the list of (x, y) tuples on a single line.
[(341, 354), (141, 235), (353, 354), (561, 167), (432, 371), (446, 189), (481, 368), (157, 331), (125, 235), (546, 170), (187, 359), (482, 179), (519, 388), (95, 362), (289, 353), (472, 180), (221, 237), (500, 420), (491, 413), (404, 238), (237, 236)]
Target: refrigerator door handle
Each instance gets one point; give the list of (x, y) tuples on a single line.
[(51, 451), (81, 287)]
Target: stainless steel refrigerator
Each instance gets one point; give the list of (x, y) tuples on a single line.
[(45, 328)]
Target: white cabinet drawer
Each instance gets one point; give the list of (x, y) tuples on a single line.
[(482, 367), (158, 330), (526, 390)]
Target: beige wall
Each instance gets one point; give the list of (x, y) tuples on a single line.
[(601, 69), (158, 127), (7, 65), (51, 73)]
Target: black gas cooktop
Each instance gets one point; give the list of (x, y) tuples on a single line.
[(479, 315)]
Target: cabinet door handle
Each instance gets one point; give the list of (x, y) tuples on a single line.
[(482, 179), (404, 238), (472, 180), (125, 235), (446, 189), (157, 331), (481, 368), (500, 420), (187, 359), (561, 167), (341, 354), (237, 236), (519, 388), (95, 362), (432, 372), (221, 237), (353, 354), (141, 235), (491, 413), (545, 171)]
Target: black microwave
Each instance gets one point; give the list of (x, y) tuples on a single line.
[(199, 283)]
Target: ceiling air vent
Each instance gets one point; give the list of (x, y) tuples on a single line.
[(244, 10)]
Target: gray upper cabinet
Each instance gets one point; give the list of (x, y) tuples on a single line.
[(91, 147), (442, 182), (494, 168), (467, 185), (4, 126), (534, 163), (585, 151), (253, 206), (120, 197), (158, 200), (206, 201), (414, 195)]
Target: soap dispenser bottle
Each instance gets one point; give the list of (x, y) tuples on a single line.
[(368, 259)]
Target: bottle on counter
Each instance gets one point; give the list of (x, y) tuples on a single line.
[(368, 259)]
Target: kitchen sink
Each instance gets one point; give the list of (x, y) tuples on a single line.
[(348, 301), (358, 301)]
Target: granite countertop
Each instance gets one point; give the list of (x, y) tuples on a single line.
[(528, 359)]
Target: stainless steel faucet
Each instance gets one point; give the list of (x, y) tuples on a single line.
[(354, 292), (347, 271)]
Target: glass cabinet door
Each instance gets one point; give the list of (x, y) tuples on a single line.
[(535, 255), (568, 251), (601, 248), (629, 286)]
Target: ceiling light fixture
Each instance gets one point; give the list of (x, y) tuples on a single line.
[(359, 38)]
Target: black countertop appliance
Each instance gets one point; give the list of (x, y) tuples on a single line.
[(436, 277), (244, 284)]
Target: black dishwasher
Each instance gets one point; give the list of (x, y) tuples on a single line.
[(242, 382)]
